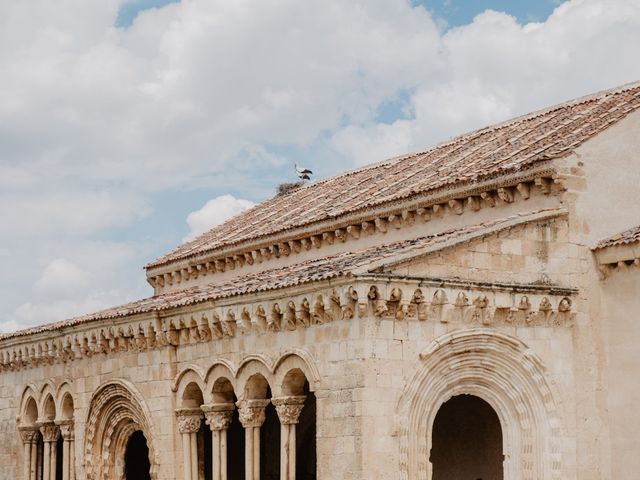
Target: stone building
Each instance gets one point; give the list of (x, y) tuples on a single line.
[(465, 312)]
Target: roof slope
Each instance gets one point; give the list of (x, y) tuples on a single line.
[(628, 236), (505, 148), (359, 262)]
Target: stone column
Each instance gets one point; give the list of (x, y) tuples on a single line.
[(50, 433), (68, 449), (188, 425), (289, 409), (218, 416), (29, 437), (252, 417)]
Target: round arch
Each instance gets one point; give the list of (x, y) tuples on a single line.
[(117, 410), (503, 372)]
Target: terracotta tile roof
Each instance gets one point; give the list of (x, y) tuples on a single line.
[(628, 236), (501, 149), (326, 268)]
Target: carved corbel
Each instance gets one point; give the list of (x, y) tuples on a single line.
[(394, 221), (316, 241), (295, 246), (424, 214), (362, 293), (229, 324), (230, 263), (340, 235), (328, 237), (473, 203), (238, 261), (151, 336), (349, 305), (140, 339), (381, 225), (544, 184), (173, 335), (303, 314), (408, 217), (437, 306), (368, 228), (480, 312), (290, 316), (259, 319), (489, 198), (275, 318), (354, 231), (524, 190), (243, 323), (216, 325), (456, 206), (220, 264), (417, 299), (257, 256), (545, 309), (306, 243), (284, 249), (461, 307), (319, 310), (265, 253), (248, 258), (506, 194)]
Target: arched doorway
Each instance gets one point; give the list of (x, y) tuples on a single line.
[(136, 458), (467, 441)]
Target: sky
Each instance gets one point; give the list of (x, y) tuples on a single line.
[(128, 127)]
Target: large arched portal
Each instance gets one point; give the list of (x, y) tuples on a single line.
[(467, 441), (116, 426), (136, 458)]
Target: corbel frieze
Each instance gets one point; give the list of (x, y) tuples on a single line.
[(458, 203), (382, 298)]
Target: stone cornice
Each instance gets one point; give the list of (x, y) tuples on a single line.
[(617, 258), (383, 296), (392, 215)]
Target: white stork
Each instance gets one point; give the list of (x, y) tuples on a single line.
[(303, 173)]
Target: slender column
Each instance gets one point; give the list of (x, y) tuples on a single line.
[(68, 447), (50, 433), (188, 425), (218, 416), (289, 409), (29, 436), (252, 417), (34, 460)]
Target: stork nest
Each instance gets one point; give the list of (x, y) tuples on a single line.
[(287, 188)]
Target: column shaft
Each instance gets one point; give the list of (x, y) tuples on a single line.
[(284, 451), (26, 469), (256, 453), (193, 437), (72, 460), (215, 455), (292, 452), (46, 463), (223, 454), (186, 455), (34, 459), (65, 460), (54, 459), (248, 455)]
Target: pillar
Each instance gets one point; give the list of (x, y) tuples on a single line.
[(68, 449), (289, 409), (252, 417), (29, 437), (218, 416), (189, 420), (50, 433)]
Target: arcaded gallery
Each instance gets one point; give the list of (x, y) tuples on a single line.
[(461, 313)]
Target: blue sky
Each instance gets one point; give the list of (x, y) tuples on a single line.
[(118, 143)]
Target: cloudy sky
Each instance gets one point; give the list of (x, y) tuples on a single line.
[(127, 127)]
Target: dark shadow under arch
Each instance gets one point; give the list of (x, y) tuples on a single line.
[(136, 458), (467, 441)]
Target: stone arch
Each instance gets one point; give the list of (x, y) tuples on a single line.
[(116, 411), (190, 382), (29, 410), (296, 360), (65, 402), (254, 376), (194, 371), (498, 369), (48, 408)]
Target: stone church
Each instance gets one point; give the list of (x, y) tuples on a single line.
[(466, 312)]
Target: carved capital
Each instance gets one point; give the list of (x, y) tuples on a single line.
[(50, 432), (28, 434), (289, 408), (251, 412), (218, 415), (66, 429), (189, 420)]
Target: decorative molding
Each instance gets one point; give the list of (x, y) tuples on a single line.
[(379, 295), (28, 434), (50, 432), (251, 412), (489, 194), (289, 408), (189, 420)]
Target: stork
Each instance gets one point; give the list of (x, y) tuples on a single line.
[(303, 173)]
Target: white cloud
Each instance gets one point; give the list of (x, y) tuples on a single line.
[(62, 277), (98, 124), (214, 212)]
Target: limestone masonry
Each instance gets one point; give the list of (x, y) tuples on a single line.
[(467, 312)]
